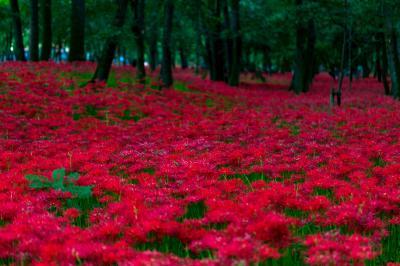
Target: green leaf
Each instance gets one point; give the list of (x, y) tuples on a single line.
[(37, 181), (58, 178), (73, 176), (80, 191)]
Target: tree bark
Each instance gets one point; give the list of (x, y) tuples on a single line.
[(166, 64), (364, 63), (216, 44), (138, 28), (384, 56), (305, 53), (153, 38), (105, 62), (394, 63), (17, 25), (234, 68), (34, 31), (46, 29), (392, 52), (378, 64), (182, 55), (77, 40), (198, 28)]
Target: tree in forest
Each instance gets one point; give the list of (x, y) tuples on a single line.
[(215, 41), (138, 27), (305, 46), (390, 36), (105, 62), (152, 31), (17, 29), (34, 31), (235, 51), (46, 15), (77, 40), (166, 64)]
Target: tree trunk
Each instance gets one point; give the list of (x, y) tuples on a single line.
[(153, 37), (104, 64), (77, 41), (138, 28), (216, 43), (227, 37), (198, 28), (234, 69), (391, 49), (300, 70), (166, 64), (153, 55), (310, 55), (364, 63), (378, 64), (384, 56), (305, 53), (182, 55), (19, 45), (46, 29), (394, 63), (342, 62), (34, 31)]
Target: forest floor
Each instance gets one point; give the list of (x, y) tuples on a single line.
[(201, 174)]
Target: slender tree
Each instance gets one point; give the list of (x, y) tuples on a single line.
[(138, 8), (34, 31), (392, 50), (234, 67), (152, 34), (17, 29), (166, 64), (77, 40), (105, 62), (382, 56), (215, 45), (45, 6)]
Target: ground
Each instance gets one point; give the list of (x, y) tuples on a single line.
[(201, 174)]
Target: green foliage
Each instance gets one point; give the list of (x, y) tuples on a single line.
[(61, 181), (171, 244), (378, 161), (127, 115), (194, 210), (390, 248), (294, 129), (327, 192), (181, 87), (246, 178), (293, 256)]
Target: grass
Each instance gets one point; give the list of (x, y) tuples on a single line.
[(327, 192), (181, 87), (85, 206), (194, 210), (390, 248), (280, 123), (129, 117), (246, 178), (172, 244), (378, 161), (7, 261), (293, 255)]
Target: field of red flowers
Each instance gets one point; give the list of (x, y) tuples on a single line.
[(202, 174)]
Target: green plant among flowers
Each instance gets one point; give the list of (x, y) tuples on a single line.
[(60, 181)]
